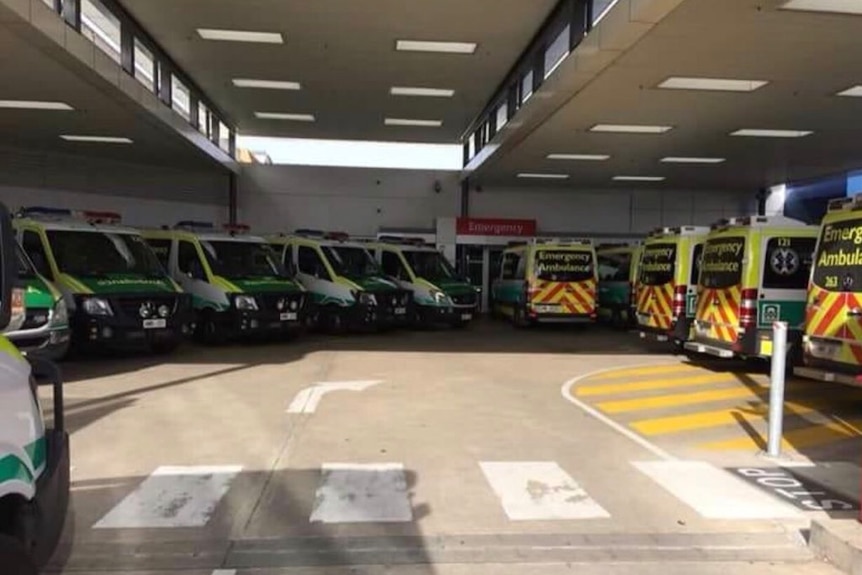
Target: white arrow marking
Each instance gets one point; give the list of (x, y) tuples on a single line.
[(307, 400)]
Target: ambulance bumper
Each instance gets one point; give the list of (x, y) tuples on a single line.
[(47, 342), (242, 323), (819, 374), (572, 318), (708, 349), (429, 314)]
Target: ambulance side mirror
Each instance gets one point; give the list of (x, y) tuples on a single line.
[(8, 266)]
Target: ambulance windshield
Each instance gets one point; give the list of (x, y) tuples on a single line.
[(721, 265), (564, 265), (429, 265), (25, 268), (838, 262), (95, 254), (658, 264), (352, 262), (242, 259)]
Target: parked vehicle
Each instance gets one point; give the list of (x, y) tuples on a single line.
[(754, 272), (34, 458), (238, 284), (547, 281), (618, 265)]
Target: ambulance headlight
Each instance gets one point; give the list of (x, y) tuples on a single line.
[(365, 298), (245, 303), (440, 298), (294, 305), (61, 313), (164, 311), (97, 306)]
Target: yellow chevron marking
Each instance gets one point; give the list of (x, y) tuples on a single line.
[(647, 385), (810, 436), (707, 419), (650, 370), (675, 400)]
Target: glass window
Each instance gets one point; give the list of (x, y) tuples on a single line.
[(430, 265), (658, 264), (242, 259), (204, 125), (310, 263), (502, 115), (557, 51), (101, 26), (526, 87), (788, 263), (162, 249), (601, 8), (145, 66), (351, 262), (223, 137), (392, 266), (510, 266), (32, 244), (189, 262), (615, 267), (722, 262), (555, 265), (181, 98), (837, 266), (96, 254)]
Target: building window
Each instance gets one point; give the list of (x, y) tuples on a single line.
[(181, 98), (204, 123), (502, 115), (557, 51), (223, 137), (145, 66), (526, 87), (102, 28)]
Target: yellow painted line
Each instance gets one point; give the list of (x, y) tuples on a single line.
[(613, 388), (708, 419), (652, 370), (675, 400), (810, 436)]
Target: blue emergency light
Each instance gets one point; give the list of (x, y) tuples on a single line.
[(37, 211)]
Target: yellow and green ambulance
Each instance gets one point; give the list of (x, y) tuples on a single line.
[(117, 293), (34, 458), (350, 290), (754, 272), (238, 286), (618, 265)]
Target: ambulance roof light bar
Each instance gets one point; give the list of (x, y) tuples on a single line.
[(337, 236), (237, 229), (192, 225), (93, 217), (562, 241), (757, 221), (845, 203), (41, 212), (678, 230), (402, 240)]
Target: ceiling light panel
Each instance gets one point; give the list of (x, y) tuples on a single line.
[(241, 36), (854, 92), (97, 139), (426, 92), (416, 123), (838, 6), (759, 133), (266, 84), (712, 84), (580, 157), (433, 46), (691, 160), (537, 176), (284, 116), (630, 129), (34, 105), (639, 178)]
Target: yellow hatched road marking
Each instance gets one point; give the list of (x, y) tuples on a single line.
[(798, 438), (613, 388), (676, 400), (651, 370), (707, 419)]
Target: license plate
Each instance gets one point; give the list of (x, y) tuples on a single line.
[(547, 308), (827, 350), (289, 316), (155, 323), (400, 310), (466, 316)]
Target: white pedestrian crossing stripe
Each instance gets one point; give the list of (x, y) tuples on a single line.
[(172, 497), (539, 491), (356, 493), (714, 493)]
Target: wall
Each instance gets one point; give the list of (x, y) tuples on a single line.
[(358, 201)]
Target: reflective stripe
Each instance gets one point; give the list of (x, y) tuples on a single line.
[(572, 297)]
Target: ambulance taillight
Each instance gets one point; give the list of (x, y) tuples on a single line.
[(748, 309), (679, 293)]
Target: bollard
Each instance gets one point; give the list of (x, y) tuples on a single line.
[(776, 387)]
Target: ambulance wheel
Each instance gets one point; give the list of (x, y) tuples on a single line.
[(208, 331), (165, 347), (14, 558), (519, 318)]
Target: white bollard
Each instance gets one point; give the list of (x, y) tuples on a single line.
[(776, 388)]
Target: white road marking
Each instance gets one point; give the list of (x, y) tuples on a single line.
[(224, 572), (355, 493), (649, 446), (539, 490), (713, 492), (172, 497), (307, 400)]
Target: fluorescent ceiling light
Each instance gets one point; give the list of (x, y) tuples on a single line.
[(580, 157), (854, 92), (442, 47), (284, 116), (840, 6), (630, 129), (429, 92), (691, 160), (97, 139), (266, 84), (407, 122), (533, 176), (241, 36), (639, 178), (34, 105), (717, 84), (757, 133)]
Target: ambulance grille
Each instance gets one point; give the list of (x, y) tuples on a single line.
[(464, 299), (131, 306)]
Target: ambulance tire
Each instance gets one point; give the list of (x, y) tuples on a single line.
[(519, 318), (15, 559), (208, 331), (165, 347)]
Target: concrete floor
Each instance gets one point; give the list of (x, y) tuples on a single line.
[(413, 452)]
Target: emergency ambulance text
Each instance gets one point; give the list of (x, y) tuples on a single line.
[(558, 262)]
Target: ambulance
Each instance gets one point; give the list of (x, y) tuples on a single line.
[(618, 266), (238, 286), (350, 290), (754, 272), (116, 292), (832, 348), (440, 295), (666, 296), (34, 458), (547, 280), (45, 328)]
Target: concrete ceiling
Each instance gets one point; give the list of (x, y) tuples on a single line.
[(806, 58), (343, 53), (37, 70)]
